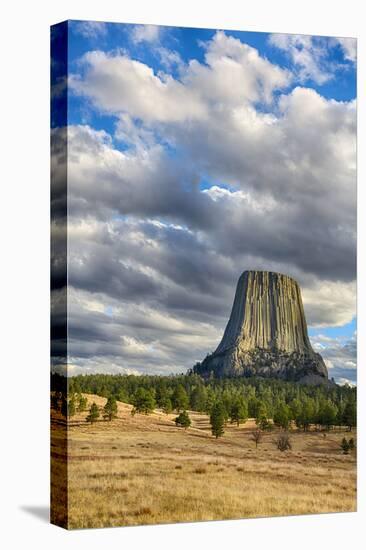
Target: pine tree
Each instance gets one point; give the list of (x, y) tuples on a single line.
[(183, 420), (93, 413), (295, 410), (239, 411), (110, 408), (161, 395), (143, 401), (217, 419), (210, 400), (253, 407), (262, 417), (83, 402), (180, 399), (282, 416), (327, 414), (123, 395), (198, 398), (307, 414), (166, 405), (350, 415)]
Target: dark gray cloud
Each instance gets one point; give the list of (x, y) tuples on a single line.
[(290, 222), (134, 336)]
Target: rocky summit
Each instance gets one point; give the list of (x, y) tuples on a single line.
[(266, 334)]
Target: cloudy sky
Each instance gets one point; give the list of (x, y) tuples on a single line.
[(194, 155)]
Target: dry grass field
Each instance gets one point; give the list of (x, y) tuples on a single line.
[(143, 469)]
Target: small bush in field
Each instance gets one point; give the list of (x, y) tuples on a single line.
[(144, 511), (256, 436), (283, 443), (200, 470), (345, 446)]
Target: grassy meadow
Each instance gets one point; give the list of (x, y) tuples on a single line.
[(142, 469)]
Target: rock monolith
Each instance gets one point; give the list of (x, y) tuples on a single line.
[(266, 334)]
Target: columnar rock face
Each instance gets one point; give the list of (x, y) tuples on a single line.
[(266, 334)]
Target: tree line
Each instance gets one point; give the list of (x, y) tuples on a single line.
[(270, 402)]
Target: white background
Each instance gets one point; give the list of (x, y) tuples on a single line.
[(24, 298)]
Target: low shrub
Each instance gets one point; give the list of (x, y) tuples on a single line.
[(283, 443)]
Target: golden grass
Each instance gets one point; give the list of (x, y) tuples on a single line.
[(145, 470)]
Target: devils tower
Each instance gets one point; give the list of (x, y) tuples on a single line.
[(266, 334)]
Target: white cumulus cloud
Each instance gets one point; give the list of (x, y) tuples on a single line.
[(145, 33)]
